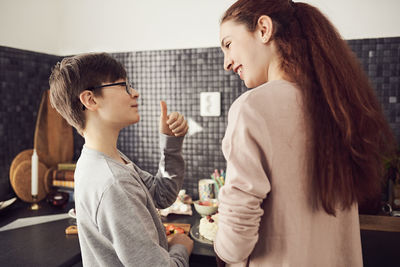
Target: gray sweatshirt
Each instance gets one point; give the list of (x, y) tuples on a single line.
[(118, 224)]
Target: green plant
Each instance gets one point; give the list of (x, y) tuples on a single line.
[(392, 166), (392, 177)]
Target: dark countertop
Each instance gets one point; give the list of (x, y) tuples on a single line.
[(46, 244), (43, 244)]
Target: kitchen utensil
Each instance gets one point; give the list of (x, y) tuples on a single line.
[(184, 226), (21, 181), (53, 135), (21, 156), (48, 180), (53, 141)]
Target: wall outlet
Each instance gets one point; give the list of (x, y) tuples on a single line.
[(210, 104)]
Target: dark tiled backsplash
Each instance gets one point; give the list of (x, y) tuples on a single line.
[(178, 77), (23, 78)]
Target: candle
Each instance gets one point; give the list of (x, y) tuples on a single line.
[(35, 174)]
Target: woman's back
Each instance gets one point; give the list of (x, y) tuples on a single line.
[(269, 123)]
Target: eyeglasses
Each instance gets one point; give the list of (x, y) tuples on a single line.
[(128, 86)]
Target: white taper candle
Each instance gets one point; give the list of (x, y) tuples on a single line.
[(35, 173)]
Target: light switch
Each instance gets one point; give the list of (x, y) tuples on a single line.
[(210, 103)]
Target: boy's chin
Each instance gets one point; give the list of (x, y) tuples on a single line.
[(136, 120)]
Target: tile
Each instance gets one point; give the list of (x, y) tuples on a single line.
[(178, 77)]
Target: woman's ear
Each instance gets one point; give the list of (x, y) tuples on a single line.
[(264, 28), (88, 100)]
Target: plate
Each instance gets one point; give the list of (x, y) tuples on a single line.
[(195, 234), (5, 204)]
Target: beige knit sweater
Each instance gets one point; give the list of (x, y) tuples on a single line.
[(265, 214)]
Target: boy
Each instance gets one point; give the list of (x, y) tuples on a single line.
[(115, 201)]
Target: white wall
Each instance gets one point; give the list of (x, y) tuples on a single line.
[(65, 27), (358, 19), (126, 25), (31, 25)]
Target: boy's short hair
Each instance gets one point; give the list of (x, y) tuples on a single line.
[(73, 75)]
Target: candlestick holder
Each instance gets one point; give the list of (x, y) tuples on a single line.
[(35, 205)]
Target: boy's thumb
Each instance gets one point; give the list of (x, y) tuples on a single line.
[(164, 110)]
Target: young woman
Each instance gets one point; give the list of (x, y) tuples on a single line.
[(303, 147)]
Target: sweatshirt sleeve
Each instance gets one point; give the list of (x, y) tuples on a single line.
[(246, 186), (127, 226), (165, 185)]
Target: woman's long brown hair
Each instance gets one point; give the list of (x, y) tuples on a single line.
[(350, 135)]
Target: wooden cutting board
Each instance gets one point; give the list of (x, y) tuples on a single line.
[(53, 141), (21, 181), (53, 137), (184, 226), (20, 176), (72, 229), (22, 156)]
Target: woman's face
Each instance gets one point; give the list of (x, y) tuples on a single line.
[(246, 53)]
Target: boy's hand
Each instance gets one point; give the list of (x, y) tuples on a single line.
[(183, 240), (173, 124)]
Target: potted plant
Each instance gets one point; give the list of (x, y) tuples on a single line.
[(392, 166)]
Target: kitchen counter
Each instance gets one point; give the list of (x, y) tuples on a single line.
[(380, 239), (46, 244), (43, 244), (380, 223)]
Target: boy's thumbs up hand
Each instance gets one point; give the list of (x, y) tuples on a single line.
[(163, 119), (173, 124)]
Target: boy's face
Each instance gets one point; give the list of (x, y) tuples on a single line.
[(116, 107)]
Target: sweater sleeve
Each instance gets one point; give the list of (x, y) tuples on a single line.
[(165, 185), (127, 226), (246, 186)]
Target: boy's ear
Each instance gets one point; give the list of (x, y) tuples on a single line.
[(264, 28), (88, 100)]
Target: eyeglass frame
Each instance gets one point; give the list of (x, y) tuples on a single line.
[(127, 84)]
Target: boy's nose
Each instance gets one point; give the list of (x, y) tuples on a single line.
[(135, 93)]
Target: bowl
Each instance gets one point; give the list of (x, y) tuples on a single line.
[(206, 207)]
